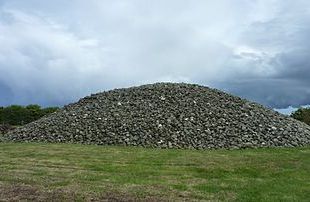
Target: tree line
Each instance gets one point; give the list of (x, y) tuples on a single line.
[(19, 115)]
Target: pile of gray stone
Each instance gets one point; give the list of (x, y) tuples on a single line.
[(167, 115), (4, 128)]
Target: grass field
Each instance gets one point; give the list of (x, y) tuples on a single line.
[(65, 172)]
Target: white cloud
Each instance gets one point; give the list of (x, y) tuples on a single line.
[(45, 61), (57, 51)]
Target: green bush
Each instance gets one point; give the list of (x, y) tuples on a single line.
[(20, 115), (302, 114)]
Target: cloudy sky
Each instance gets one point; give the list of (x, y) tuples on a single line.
[(54, 52)]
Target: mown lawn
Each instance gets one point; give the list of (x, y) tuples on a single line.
[(67, 172)]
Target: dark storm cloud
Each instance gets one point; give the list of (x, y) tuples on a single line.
[(281, 50), (273, 93), (287, 85)]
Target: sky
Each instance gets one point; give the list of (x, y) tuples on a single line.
[(55, 52)]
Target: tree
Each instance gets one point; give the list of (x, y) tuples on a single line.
[(302, 114), (14, 115), (1, 115)]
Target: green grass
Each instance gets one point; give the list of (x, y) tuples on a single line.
[(101, 172)]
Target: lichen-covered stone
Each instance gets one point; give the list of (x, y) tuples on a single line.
[(167, 115)]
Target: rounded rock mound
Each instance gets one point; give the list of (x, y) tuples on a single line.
[(167, 115)]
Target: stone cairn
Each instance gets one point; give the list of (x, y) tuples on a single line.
[(166, 115)]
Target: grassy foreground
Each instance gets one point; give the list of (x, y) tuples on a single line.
[(65, 172)]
